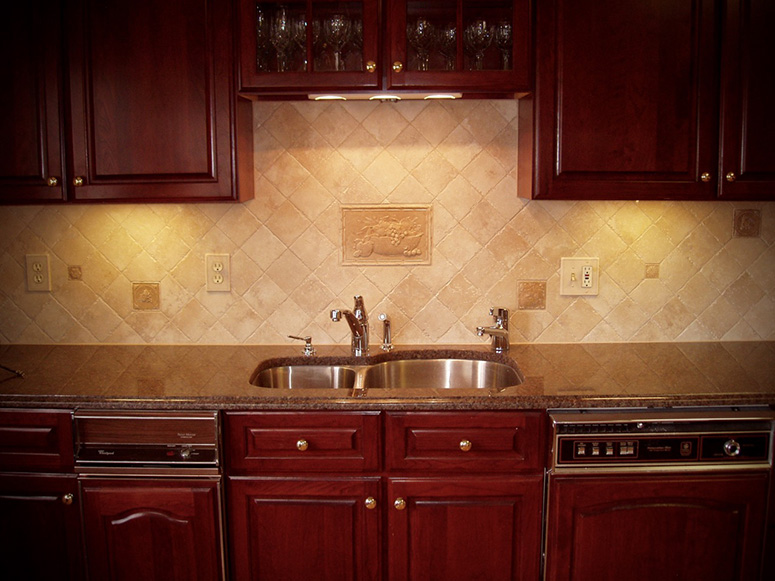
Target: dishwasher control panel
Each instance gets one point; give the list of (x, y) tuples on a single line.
[(649, 438)]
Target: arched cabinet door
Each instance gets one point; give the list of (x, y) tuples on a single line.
[(151, 529)]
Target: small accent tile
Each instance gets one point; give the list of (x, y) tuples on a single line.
[(145, 296), (748, 223), (652, 271), (386, 235), (74, 273), (532, 295)]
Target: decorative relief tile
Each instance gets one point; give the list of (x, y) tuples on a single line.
[(145, 296), (748, 223), (652, 271), (386, 235)]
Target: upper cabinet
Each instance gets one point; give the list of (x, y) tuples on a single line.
[(310, 46), (142, 108), (459, 45), (627, 102)]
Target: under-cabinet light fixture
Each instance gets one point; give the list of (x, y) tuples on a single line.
[(384, 97)]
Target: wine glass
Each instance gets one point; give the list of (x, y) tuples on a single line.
[(477, 38), (446, 39), (262, 39), (299, 27), (503, 42), (336, 32), (420, 35), (282, 37)]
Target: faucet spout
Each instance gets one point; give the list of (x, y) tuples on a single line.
[(358, 321), (499, 331)]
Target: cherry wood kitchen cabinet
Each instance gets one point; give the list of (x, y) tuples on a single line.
[(147, 110), (476, 47), (316, 47), (31, 117), (302, 493), (313, 527), (40, 525), (627, 102), (154, 529), (644, 527), (464, 495)]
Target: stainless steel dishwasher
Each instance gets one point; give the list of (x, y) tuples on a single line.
[(151, 494), (644, 494)]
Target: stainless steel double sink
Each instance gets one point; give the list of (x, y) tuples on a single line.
[(421, 369)]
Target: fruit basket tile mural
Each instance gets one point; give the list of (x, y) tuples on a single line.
[(385, 235)]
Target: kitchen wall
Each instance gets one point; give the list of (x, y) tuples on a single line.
[(670, 271)]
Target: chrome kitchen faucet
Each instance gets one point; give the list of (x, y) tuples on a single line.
[(359, 326), (499, 331)]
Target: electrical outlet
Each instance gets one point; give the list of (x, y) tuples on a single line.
[(38, 273), (579, 276), (217, 272)]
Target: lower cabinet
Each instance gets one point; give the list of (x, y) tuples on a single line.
[(40, 527), (322, 528), (464, 528), (643, 527), (453, 496), (152, 529)]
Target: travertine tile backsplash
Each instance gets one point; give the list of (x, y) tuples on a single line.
[(669, 271)]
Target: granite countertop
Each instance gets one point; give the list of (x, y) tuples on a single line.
[(556, 375)]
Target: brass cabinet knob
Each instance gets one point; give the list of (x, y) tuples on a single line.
[(705, 177), (302, 444), (731, 176), (78, 181), (400, 503), (398, 66), (371, 503), (465, 445), (52, 181), (67, 499), (371, 66)]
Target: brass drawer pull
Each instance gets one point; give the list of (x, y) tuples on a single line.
[(465, 445), (400, 503), (302, 444), (371, 503), (67, 499)]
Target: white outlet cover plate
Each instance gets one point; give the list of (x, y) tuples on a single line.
[(217, 273), (38, 272), (571, 277)]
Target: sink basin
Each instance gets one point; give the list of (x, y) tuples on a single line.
[(307, 377), (440, 374), (401, 370)]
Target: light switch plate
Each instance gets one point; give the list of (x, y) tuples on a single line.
[(579, 276)]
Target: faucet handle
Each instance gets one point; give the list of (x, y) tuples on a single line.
[(336, 315), (501, 316), (309, 350)]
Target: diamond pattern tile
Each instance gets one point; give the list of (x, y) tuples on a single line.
[(285, 246)]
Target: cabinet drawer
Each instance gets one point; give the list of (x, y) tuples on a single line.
[(321, 442), (477, 441), (36, 440)]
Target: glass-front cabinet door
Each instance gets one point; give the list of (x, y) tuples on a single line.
[(291, 46), (469, 45)]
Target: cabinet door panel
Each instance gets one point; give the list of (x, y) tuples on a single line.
[(36, 440), (154, 530), (31, 145), (748, 90), (40, 533), (626, 99), (462, 529), (301, 529), (645, 527), (150, 88)]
